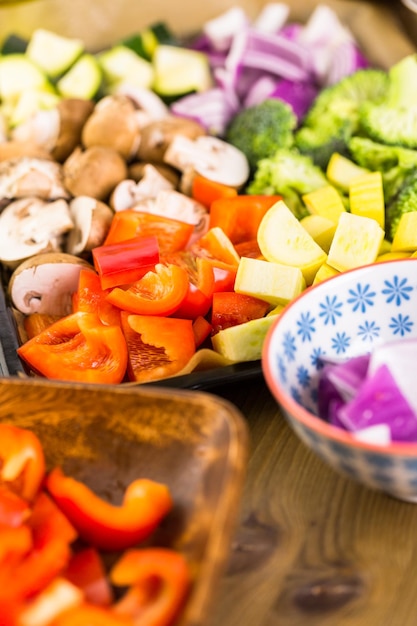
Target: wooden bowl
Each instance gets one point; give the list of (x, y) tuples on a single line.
[(106, 436)]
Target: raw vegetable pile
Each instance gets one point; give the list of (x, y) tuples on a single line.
[(373, 396), (163, 201), (54, 535)]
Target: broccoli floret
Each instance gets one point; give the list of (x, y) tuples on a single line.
[(289, 174), (405, 201), (260, 130), (334, 116), (394, 162), (394, 120)]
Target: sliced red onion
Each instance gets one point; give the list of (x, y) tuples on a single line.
[(272, 17), (221, 30), (298, 94), (345, 60), (380, 401), (261, 90), (213, 109)]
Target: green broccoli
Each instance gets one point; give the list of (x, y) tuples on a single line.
[(334, 115), (393, 121), (289, 174), (404, 201), (394, 162), (260, 130)]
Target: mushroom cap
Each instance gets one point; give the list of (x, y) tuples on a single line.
[(23, 177), (46, 283), (30, 226), (94, 172), (73, 113), (114, 124), (158, 135)]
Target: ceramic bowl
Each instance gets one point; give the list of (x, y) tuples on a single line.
[(342, 317), (105, 436)]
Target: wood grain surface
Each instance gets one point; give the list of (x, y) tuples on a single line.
[(312, 548)]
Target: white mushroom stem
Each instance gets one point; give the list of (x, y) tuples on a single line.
[(30, 226), (41, 129), (211, 157), (46, 284), (25, 176), (128, 192), (92, 220)]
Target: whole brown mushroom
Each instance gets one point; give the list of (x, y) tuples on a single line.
[(94, 172)]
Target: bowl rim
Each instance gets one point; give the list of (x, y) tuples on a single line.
[(302, 415)]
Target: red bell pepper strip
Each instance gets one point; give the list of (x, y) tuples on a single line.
[(202, 330), (170, 233), (201, 283), (22, 460), (86, 570), (15, 544), (205, 191), (90, 615), (14, 510), (124, 262), (231, 308), (158, 347), (92, 298), (78, 348), (105, 525), (239, 217), (249, 249), (159, 582), (159, 292)]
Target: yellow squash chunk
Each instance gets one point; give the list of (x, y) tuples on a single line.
[(276, 310), (282, 239), (324, 272), (356, 242), (405, 238), (392, 256), (341, 171), (273, 282), (385, 247), (366, 197), (326, 202), (243, 342), (320, 228)]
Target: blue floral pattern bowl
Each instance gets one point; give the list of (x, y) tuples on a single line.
[(342, 317)]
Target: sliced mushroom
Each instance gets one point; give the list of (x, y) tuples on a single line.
[(158, 135), (30, 226), (211, 157), (92, 220), (114, 123), (56, 130), (94, 172), (46, 283), (136, 171), (145, 100), (128, 192), (25, 176)]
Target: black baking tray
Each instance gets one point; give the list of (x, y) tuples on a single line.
[(10, 364)]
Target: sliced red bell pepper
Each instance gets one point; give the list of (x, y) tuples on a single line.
[(249, 249), (159, 581), (158, 346), (86, 570), (90, 615), (35, 323), (15, 544), (14, 510), (170, 233), (231, 308), (202, 330), (239, 217), (105, 525), (159, 292), (91, 298), (58, 596), (218, 245), (22, 460), (201, 283), (124, 262), (205, 191), (78, 348)]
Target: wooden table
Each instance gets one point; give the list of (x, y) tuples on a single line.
[(311, 547)]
